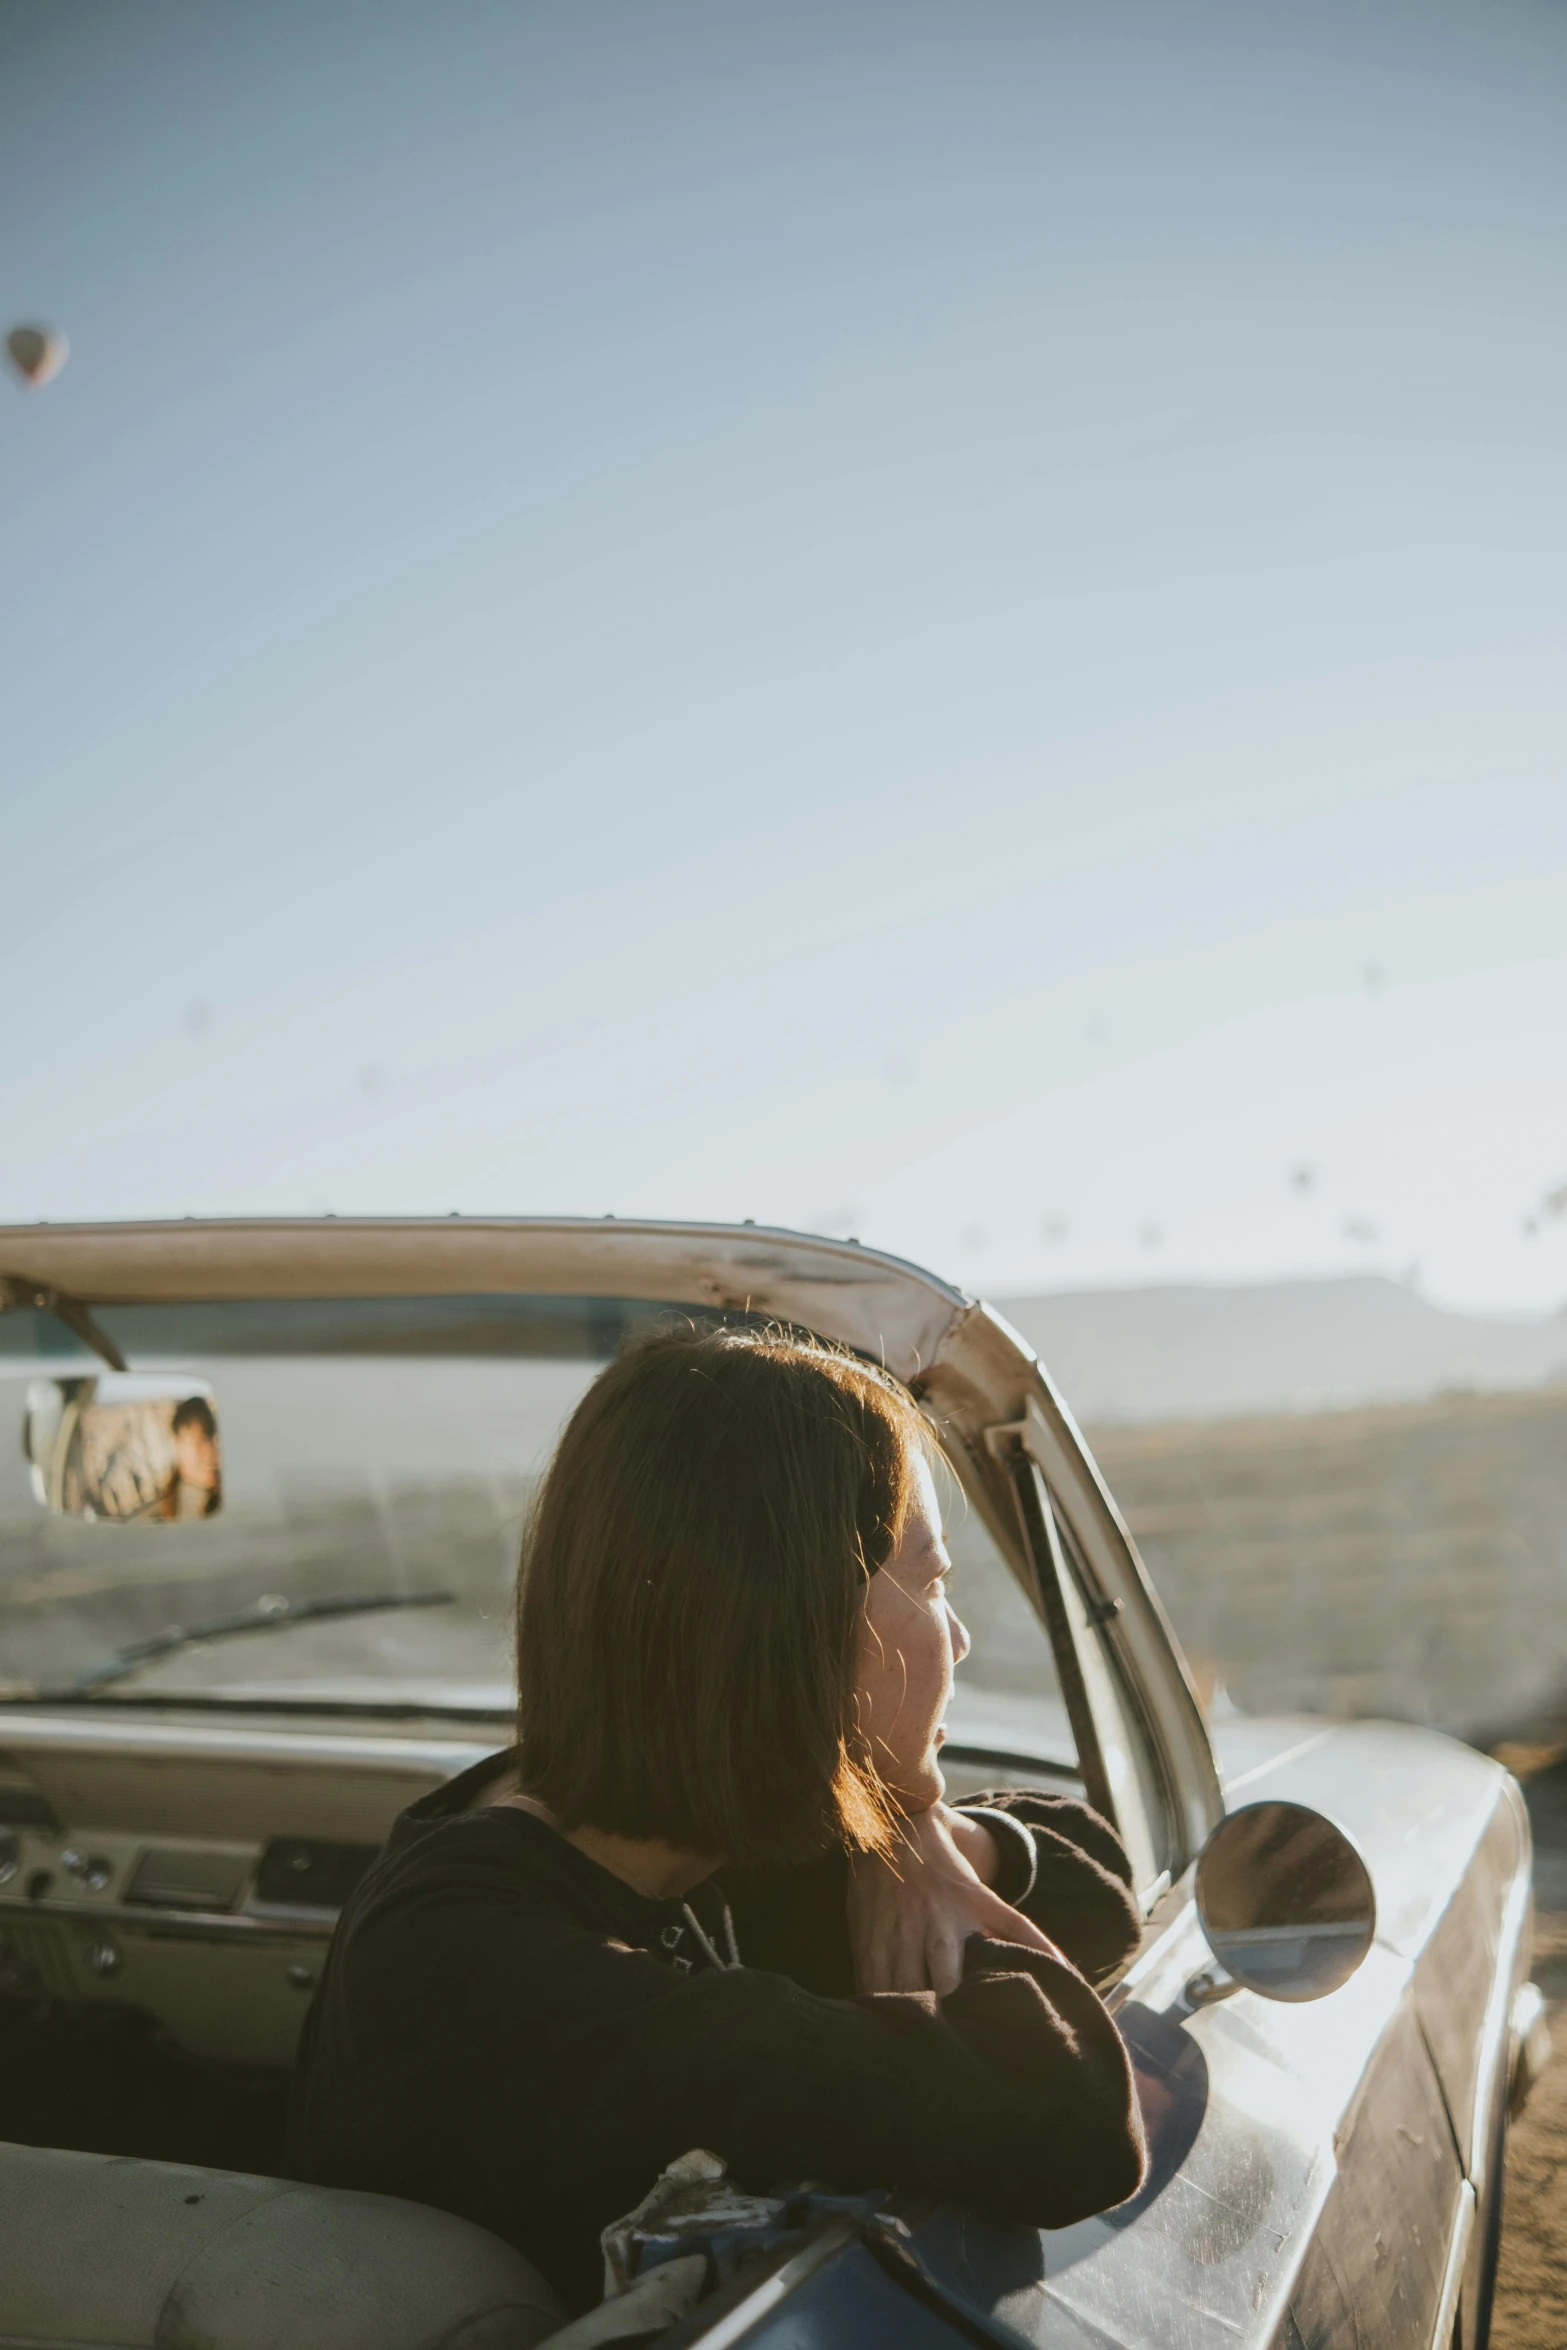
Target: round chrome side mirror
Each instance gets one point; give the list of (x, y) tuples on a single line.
[(1286, 1902)]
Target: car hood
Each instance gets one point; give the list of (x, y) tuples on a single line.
[(1416, 1802)]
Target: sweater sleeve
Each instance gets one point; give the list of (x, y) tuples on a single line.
[(1081, 1893), (515, 2057)]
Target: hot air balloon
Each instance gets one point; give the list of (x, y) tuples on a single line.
[(37, 353)]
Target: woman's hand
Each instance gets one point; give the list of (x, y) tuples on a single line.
[(910, 1914)]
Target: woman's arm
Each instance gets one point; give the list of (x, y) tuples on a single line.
[(912, 1910), (1081, 1891), (1050, 1875), (474, 2054)]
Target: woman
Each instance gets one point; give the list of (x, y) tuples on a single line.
[(714, 1897), (195, 1483)]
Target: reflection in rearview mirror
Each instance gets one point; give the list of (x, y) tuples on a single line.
[(123, 1449)]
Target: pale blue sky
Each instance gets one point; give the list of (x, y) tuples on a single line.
[(946, 622)]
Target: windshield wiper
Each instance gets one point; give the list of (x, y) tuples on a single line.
[(20, 1296), (269, 1614)]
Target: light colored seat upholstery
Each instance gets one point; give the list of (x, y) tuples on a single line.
[(100, 2249)]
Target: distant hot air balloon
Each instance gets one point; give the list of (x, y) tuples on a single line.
[(37, 353)]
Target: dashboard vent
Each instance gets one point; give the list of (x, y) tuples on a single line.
[(166, 1879), (297, 1872)]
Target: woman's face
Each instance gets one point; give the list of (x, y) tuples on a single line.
[(910, 1641), (196, 1457)]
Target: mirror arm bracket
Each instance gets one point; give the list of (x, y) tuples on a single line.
[(1209, 1985), (18, 1296)]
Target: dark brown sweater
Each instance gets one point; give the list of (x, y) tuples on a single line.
[(506, 2030)]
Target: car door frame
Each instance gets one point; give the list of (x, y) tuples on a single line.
[(1143, 1745)]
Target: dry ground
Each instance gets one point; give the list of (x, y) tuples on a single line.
[(1404, 1560)]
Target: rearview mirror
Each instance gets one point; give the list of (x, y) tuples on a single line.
[(124, 1449), (1286, 1902)]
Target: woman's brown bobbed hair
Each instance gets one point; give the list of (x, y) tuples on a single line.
[(690, 1601)]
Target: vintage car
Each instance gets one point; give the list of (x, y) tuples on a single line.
[(260, 1519)]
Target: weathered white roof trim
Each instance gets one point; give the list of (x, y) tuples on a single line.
[(878, 1304)]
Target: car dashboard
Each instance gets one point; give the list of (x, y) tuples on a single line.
[(191, 1864), (193, 1868)]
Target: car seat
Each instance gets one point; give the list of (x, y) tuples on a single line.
[(102, 2249)]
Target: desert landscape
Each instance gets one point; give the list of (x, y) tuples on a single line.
[(1405, 1558)]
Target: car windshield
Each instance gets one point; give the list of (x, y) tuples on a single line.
[(378, 1459)]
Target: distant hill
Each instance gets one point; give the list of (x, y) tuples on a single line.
[(1189, 1352)]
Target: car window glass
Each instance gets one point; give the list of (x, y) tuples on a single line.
[(340, 1479), (1007, 1697), (388, 1446), (1135, 1787), (370, 1447)]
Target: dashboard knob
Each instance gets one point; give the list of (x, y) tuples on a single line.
[(88, 1868), (10, 1856), (299, 1978), (102, 1958)]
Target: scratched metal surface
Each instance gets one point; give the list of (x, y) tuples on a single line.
[(1297, 2151)]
